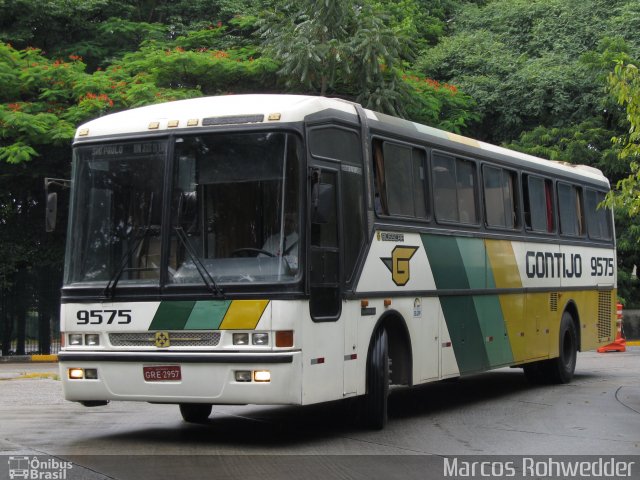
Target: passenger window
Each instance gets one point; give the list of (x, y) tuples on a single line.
[(499, 197), (571, 210), (455, 190), (538, 204), (598, 219), (399, 180)]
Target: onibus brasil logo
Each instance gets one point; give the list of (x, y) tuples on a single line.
[(34, 468)]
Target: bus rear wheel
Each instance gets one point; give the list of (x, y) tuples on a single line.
[(195, 412), (374, 404), (561, 369)]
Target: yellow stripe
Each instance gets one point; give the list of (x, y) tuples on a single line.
[(503, 264), (506, 275), (243, 314), (633, 343)]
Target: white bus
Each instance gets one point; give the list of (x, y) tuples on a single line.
[(281, 249)]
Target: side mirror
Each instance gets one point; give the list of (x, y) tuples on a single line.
[(322, 202), (52, 212)]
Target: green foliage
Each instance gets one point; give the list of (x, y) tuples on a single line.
[(588, 143), (624, 84), (439, 104), (531, 62), (326, 46)]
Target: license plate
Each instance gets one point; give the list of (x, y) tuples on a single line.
[(162, 373)]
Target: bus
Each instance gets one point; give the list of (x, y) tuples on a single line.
[(283, 249)]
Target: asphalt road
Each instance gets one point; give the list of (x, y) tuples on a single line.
[(496, 413)]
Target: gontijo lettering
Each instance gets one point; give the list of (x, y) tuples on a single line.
[(553, 265)]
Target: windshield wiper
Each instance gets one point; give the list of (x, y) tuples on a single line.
[(110, 289), (202, 270)]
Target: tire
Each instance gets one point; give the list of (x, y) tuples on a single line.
[(375, 400), (195, 412), (561, 369)]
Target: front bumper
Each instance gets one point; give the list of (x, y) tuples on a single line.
[(206, 377)]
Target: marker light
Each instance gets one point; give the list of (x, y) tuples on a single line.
[(260, 339), (241, 339), (75, 339), (92, 339), (76, 373), (284, 338), (262, 376)]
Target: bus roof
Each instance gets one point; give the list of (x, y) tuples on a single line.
[(276, 108)]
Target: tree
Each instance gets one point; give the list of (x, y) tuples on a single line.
[(533, 62), (624, 84), (330, 46)]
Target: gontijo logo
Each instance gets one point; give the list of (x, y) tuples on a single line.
[(398, 264)]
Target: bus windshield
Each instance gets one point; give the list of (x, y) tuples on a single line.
[(235, 208), (116, 212), (233, 211)]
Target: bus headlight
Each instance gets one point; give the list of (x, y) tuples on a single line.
[(262, 376), (241, 339), (260, 339), (92, 339), (75, 339)]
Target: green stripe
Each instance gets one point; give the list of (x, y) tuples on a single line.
[(189, 315), (446, 262), (494, 330), (460, 312), (171, 315), (493, 324), (474, 260), (207, 315)]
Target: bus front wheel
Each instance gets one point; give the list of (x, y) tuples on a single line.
[(375, 400), (195, 412)]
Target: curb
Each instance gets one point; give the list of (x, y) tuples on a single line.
[(29, 358)]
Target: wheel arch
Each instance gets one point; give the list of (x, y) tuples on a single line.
[(400, 348)]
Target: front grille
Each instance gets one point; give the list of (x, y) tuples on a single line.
[(605, 314), (177, 339)]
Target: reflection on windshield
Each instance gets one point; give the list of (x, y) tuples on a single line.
[(115, 213), (235, 198)]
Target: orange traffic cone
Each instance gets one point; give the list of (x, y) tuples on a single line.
[(620, 343)]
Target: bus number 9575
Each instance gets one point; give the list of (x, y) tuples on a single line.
[(99, 317)]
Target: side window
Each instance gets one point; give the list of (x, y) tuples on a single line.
[(500, 198), (538, 204), (335, 143), (598, 219), (570, 208), (399, 180), (455, 189)]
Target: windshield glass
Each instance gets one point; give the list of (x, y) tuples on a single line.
[(115, 213), (235, 208)]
